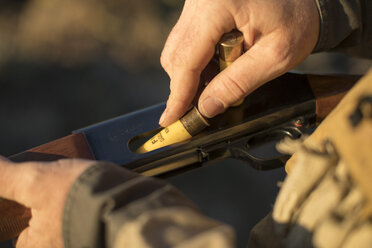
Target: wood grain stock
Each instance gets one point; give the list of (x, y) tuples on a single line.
[(72, 146), (329, 90), (13, 216)]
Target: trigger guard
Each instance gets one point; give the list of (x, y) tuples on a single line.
[(241, 150)]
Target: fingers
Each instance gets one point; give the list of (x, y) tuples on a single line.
[(30, 183), (16, 181), (261, 63), (22, 240), (3, 159), (278, 40), (189, 48)]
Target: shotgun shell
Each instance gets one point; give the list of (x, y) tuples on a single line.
[(230, 47), (183, 129), (194, 122)]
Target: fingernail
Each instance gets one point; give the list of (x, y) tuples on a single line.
[(211, 107), (162, 118)]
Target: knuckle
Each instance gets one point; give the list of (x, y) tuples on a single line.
[(178, 59), (176, 102), (29, 181), (180, 103), (282, 53), (164, 61), (233, 87), (34, 175), (172, 58)]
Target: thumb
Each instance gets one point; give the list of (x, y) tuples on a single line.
[(251, 70)]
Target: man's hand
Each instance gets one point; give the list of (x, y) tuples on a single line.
[(42, 187), (278, 35)]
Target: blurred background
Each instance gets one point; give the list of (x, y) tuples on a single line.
[(68, 64)]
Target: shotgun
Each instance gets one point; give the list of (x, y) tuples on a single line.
[(290, 105)]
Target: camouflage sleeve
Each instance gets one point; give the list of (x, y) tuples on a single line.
[(109, 206), (344, 24)]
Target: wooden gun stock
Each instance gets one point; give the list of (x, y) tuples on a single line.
[(327, 92), (13, 216)]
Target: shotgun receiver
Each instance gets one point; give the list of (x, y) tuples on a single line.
[(290, 105)]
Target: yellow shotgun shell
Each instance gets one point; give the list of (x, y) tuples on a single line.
[(182, 130), (230, 47)]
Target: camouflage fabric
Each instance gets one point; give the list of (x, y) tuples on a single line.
[(112, 207), (345, 25)]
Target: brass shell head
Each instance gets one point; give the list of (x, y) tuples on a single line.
[(230, 46), (194, 122)]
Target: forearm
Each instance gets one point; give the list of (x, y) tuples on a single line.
[(344, 24), (110, 207)]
